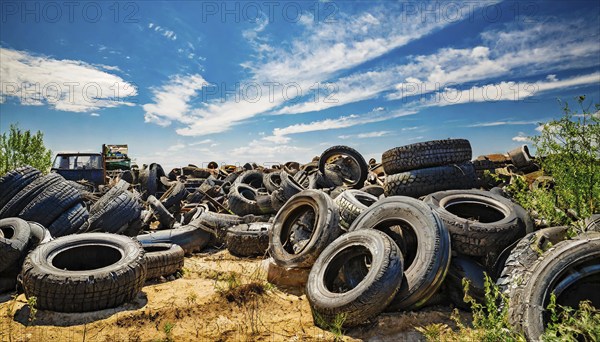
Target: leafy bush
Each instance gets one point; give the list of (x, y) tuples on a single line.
[(568, 149), (568, 324), (20, 148)]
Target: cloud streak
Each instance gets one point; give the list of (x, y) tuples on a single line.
[(65, 85)]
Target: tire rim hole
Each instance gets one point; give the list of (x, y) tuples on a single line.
[(404, 235), (86, 258), (475, 211), (298, 229), (348, 269), (7, 232)]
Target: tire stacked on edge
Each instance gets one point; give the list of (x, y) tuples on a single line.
[(419, 169)]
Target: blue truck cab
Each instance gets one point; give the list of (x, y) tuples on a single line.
[(80, 166)]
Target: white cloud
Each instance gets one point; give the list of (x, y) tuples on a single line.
[(66, 85), (341, 122), (366, 135), (176, 147), (169, 34), (171, 100), (521, 137), (95, 114), (201, 142), (321, 52), (504, 123), (507, 91)]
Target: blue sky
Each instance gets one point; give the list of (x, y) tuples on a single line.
[(189, 82)]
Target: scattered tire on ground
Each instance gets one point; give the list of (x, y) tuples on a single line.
[(85, 272), (163, 259), (249, 240), (369, 293)]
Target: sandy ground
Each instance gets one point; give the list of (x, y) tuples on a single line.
[(211, 301)]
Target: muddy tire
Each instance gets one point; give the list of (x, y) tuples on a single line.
[(423, 240), (217, 224), (302, 228), (519, 264), (163, 259), (253, 178), (52, 202), (72, 221), (272, 181), (420, 182), (242, 200), (8, 280), (289, 186), (21, 199), (330, 296), (479, 222), (14, 181), (570, 270), (86, 272), (361, 168), (426, 155), (13, 244), (249, 240), (351, 203)]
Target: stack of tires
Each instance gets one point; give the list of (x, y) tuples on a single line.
[(17, 238), (420, 169), (49, 200), (394, 256)]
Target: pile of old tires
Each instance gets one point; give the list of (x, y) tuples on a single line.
[(419, 169), (358, 238)]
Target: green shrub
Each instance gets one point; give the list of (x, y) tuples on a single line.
[(568, 149), (20, 148)]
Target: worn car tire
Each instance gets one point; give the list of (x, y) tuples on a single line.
[(14, 181), (86, 272), (420, 182), (163, 259), (426, 155), (39, 234), (253, 178), (519, 264), (174, 195), (289, 186), (73, 220), (190, 238), (272, 181), (299, 245), (249, 240), (13, 244), (423, 239), (351, 203), (242, 199), (21, 199), (363, 168), (592, 223), (161, 213), (52, 202), (329, 296), (479, 222), (464, 267), (570, 270), (116, 215)]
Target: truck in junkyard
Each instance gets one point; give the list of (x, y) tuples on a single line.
[(95, 168)]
